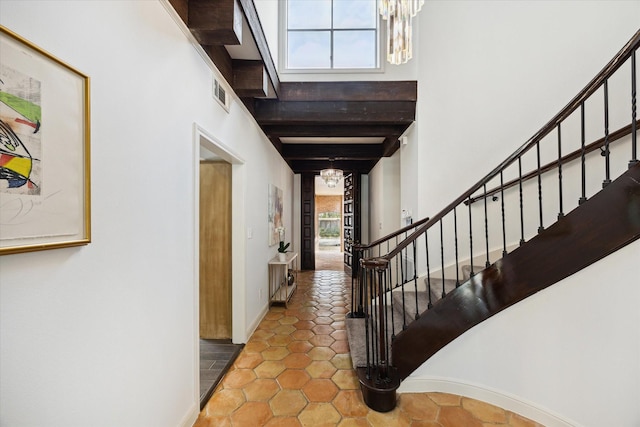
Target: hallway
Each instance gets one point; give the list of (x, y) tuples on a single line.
[(329, 260), (295, 370)]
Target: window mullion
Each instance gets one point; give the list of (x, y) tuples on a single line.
[(331, 39)]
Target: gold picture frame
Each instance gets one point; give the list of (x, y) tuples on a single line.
[(45, 191)]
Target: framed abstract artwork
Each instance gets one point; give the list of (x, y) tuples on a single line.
[(44, 149), (275, 213)]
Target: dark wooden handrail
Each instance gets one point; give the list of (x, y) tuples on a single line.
[(613, 65), (581, 237), (614, 136), (375, 263), (381, 240)]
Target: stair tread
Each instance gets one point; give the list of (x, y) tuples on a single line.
[(466, 271), (410, 298)]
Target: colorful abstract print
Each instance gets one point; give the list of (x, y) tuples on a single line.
[(20, 133)]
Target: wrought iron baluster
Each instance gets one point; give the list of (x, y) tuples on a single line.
[(607, 165), (504, 229), (367, 319), (455, 233), (470, 238), (634, 129), (375, 322), (561, 213), (360, 291), (426, 247), (388, 289), (382, 318), (414, 259), (402, 261), (398, 261), (541, 227), (444, 294), (353, 292), (583, 198), (486, 227), (404, 322), (415, 278), (521, 204), (363, 283)]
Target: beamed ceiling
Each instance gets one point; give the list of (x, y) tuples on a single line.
[(353, 123)]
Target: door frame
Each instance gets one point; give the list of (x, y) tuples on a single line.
[(205, 141)]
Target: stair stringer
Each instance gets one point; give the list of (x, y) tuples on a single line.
[(607, 222)]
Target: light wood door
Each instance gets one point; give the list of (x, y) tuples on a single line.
[(215, 250)]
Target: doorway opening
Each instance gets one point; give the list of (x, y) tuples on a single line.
[(329, 223), (219, 286)]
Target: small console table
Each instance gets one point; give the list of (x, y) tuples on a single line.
[(279, 289)]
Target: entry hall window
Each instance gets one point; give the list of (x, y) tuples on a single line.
[(332, 35)]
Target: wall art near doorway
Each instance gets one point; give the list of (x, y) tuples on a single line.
[(275, 213), (44, 149)]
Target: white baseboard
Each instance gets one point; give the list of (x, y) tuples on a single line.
[(191, 416), (254, 325), (494, 397)]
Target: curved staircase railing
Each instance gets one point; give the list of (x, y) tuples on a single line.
[(384, 307), (377, 248)]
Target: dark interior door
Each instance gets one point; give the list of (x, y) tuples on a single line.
[(351, 213), (308, 250)]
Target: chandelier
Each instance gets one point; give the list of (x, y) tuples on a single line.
[(331, 176), (398, 14)]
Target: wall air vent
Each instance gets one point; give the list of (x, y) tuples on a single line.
[(220, 94)]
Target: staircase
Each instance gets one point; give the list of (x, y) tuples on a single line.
[(495, 244)]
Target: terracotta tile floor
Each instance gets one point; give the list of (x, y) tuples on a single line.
[(296, 371)]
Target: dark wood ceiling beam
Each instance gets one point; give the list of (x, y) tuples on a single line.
[(215, 22), (355, 130), (391, 145), (182, 9), (269, 112), (215, 51), (329, 151), (350, 91), (253, 21), (249, 78), (222, 60), (315, 166), (305, 109), (277, 144)]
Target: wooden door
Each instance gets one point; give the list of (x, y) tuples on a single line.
[(215, 250)]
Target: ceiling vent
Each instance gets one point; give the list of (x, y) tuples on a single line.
[(220, 94)]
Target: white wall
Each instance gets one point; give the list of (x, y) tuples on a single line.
[(105, 334), (490, 75), (384, 197), (566, 354), (409, 172), (364, 209)]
